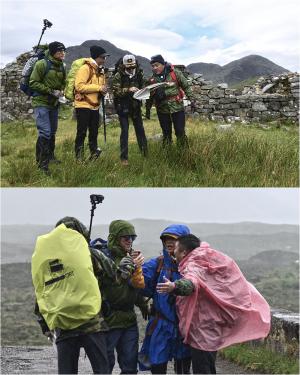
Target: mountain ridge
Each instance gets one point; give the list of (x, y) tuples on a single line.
[(234, 72)]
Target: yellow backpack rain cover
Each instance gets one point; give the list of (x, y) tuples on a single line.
[(66, 288)]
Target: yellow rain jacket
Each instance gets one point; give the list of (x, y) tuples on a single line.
[(66, 288), (89, 83)]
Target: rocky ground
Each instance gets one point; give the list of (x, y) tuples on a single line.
[(42, 360)]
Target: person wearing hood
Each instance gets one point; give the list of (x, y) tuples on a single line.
[(121, 298), (217, 307), (66, 309), (162, 341), (90, 87), (47, 82), (168, 99), (128, 79)]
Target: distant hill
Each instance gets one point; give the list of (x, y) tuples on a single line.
[(238, 240), (83, 50), (238, 70)]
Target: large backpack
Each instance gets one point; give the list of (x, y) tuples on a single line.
[(70, 81), (28, 68), (66, 288)]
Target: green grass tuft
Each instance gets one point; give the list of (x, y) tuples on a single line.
[(261, 360), (244, 156)]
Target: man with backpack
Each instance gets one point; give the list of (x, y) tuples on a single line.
[(90, 87), (162, 341), (168, 99), (62, 264), (47, 82), (128, 79)]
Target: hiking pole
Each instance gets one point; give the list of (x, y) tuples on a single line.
[(104, 122), (46, 25), (95, 199)]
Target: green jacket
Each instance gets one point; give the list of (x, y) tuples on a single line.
[(121, 297), (123, 99), (171, 103), (43, 82)]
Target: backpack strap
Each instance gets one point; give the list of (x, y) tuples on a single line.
[(180, 95)]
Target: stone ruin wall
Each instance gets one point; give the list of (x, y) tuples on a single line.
[(273, 98)]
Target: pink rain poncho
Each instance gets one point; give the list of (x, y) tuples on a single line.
[(224, 308)]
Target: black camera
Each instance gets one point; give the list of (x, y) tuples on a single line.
[(96, 198), (47, 23)]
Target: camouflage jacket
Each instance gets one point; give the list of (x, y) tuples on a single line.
[(171, 102), (123, 98), (183, 287)]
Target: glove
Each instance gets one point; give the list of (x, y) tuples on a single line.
[(160, 94), (146, 311), (126, 267), (56, 93)]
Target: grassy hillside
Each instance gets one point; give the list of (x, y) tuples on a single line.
[(278, 284), (244, 156)]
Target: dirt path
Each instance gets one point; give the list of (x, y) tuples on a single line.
[(42, 360)]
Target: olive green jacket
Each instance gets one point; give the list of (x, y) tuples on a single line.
[(43, 82), (172, 103)]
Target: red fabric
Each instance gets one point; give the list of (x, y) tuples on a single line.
[(224, 308)]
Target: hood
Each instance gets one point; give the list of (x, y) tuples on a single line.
[(118, 228), (75, 224), (174, 230)]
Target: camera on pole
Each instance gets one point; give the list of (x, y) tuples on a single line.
[(47, 24), (95, 199)]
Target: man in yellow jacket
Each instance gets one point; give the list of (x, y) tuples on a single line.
[(90, 86)]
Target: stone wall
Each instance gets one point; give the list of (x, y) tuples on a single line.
[(284, 335), (270, 99)]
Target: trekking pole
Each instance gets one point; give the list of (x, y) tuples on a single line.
[(46, 25), (104, 122), (95, 199)]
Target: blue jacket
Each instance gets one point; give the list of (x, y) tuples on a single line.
[(162, 341)]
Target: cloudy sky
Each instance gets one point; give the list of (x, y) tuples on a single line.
[(46, 206), (184, 31)]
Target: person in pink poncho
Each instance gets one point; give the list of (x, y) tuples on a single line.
[(216, 305)]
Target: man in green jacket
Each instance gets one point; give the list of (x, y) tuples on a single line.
[(168, 99), (129, 79), (121, 298), (47, 81)]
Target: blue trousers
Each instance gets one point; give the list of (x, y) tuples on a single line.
[(125, 341), (46, 121)]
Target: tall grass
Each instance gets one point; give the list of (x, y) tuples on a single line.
[(244, 156)]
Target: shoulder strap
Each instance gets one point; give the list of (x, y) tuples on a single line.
[(174, 79), (160, 262)]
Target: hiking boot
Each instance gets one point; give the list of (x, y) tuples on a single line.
[(45, 170), (54, 160), (124, 162), (95, 155)]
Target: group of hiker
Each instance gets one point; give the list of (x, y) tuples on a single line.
[(86, 85), (86, 292)]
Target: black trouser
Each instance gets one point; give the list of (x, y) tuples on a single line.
[(203, 362), (181, 366), (87, 119), (178, 120), (94, 344), (139, 132)]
